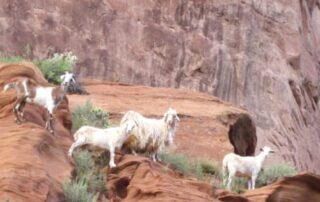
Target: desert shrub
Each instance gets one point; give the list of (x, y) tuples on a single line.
[(96, 182), (77, 191), (83, 161), (89, 115), (210, 168), (191, 166), (272, 173), (53, 68), (88, 183)]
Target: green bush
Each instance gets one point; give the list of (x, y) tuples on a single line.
[(53, 68), (191, 166), (272, 173), (89, 115)]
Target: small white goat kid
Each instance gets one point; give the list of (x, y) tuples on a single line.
[(151, 135), (244, 166), (109, 138)]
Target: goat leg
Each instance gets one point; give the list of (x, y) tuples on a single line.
[(22, 104), (157, 157), (49, 123), (16, 109)]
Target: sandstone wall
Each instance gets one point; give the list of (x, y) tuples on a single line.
[(262, 55)]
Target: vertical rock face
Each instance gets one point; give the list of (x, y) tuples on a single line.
[(259, 54)]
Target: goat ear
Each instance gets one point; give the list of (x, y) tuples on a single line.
[(136, 123), (177, 117), (126, 127), (165, 116)]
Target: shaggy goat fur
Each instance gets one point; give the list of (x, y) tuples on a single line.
[(151, 135)]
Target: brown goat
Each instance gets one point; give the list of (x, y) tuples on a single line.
[(30, 92)]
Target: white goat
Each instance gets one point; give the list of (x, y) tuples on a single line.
[(244, 166), (151, 135), (110, 138), (30, 92), (68, 78)]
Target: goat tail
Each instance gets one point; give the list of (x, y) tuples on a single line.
[(76, 135), (9, 86)]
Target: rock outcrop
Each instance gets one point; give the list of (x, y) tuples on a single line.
[(33, 163), (259, 54), (139, 179)]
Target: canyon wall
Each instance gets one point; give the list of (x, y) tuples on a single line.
[(261, 55)]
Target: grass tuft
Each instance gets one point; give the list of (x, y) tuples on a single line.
[(77, 191), (272, 173), (192, 166), (10, 59)]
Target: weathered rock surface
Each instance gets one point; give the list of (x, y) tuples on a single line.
[(33, 163), (259, 54)]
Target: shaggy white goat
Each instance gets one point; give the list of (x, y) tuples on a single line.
[(244, 166), (151, 135), (110, 138)]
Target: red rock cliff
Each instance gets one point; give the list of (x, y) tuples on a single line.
[(259, 54)]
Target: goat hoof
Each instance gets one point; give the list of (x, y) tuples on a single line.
[(18, 122)]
